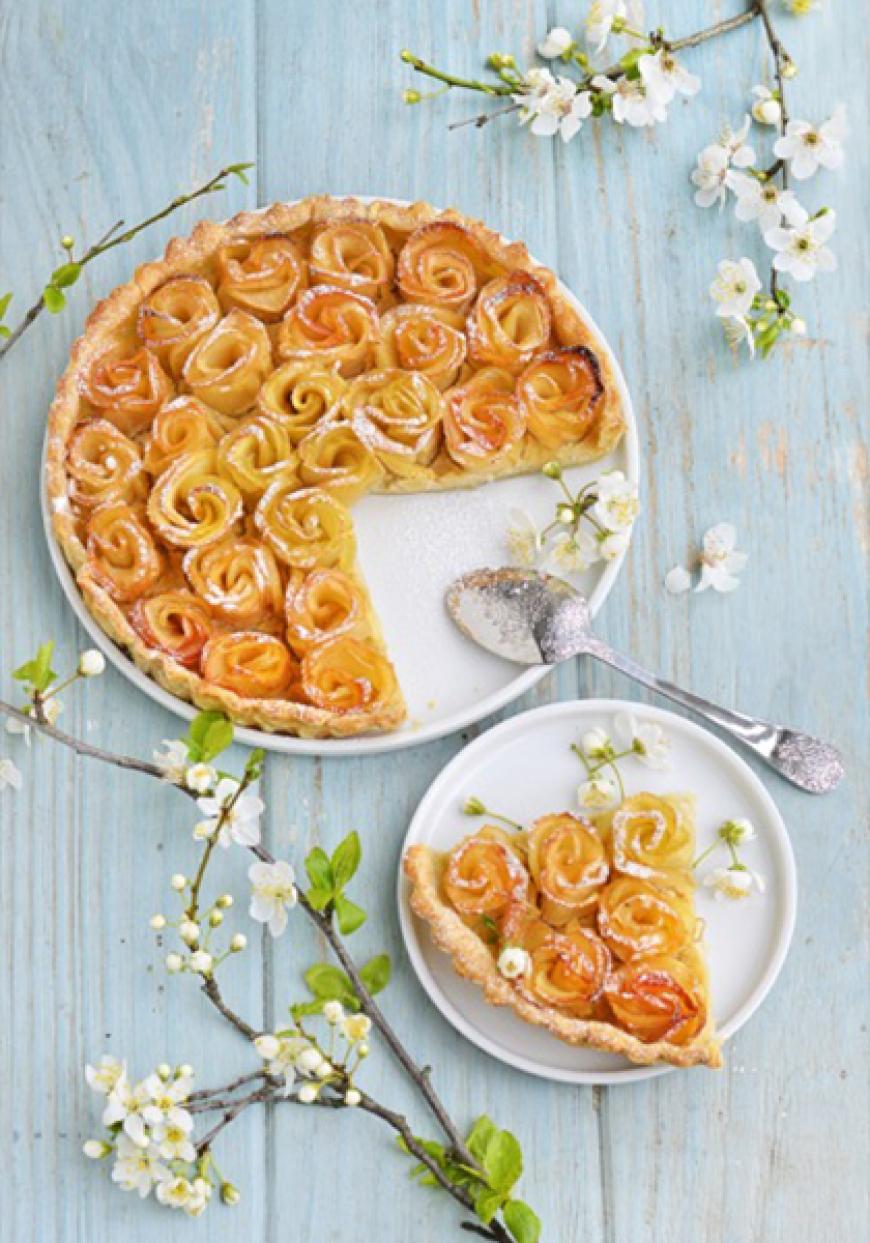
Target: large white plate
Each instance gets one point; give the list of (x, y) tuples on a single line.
[(525, 768), (411, 548)]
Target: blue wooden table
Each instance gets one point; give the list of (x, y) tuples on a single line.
[(109, 109)]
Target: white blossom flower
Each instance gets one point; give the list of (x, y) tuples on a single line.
[(720, 560), (173, 761), (238, 942), (307, 1094), (514, 962), (333, 1012), (598, 793), (281, 1057), (352, 1097), (9, 775), (201, 962), (764, 201), (735, 287), (634, 105), (646, 739), (733, 882), (125, 1104), (737, 831), (198, 1201), (553, 105), (801, 251), (174, 963), (572, 552), (617, 505), (355, 1027), (95, 1149), (766, 109), (173, 1141), (273, 892), (309, 1061), (556, 43), (614, 544), (200, 778), (595, 743), (267, 1045), (523, 538), (716, 160), (599, 22), (806, 146), (165, 1102), (189, 931), (175, 1192), (739, 331), (678, 580), (92, 663), (237, 815), (138, 1167), (664, 77), (103, 1077)]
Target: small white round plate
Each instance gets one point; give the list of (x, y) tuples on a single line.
[(410, 549), (525, 768)]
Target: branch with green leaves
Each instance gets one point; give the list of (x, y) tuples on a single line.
[(153, 1126), (67, 273)]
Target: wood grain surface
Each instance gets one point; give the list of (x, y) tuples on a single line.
[(108, 109)]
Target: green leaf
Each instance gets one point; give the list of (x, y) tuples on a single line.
[(4, 331), (218, 736), (239, 170), (503, 1160), (522, 1221), (319, 898), (67, 274), (4, 304), (345, 859), (487, 1202), (53, 299), (349, 915), (38, 671), (329, 983), (479, 1137), (197, 734), (375, 974), (319, 870), (628, 62), (302, 1008)]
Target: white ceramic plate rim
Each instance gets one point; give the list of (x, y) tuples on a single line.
[(366, 744), (779, 844)]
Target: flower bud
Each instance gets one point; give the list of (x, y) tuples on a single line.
[(410, 96), (268, 1046), (307, 1094), (308, 1061), (184, 1071), (565, 513), (798, 326), (333, 1012), (474, 807), (96, 1148), (407, 56), (363, 1048), (178, 882), (67, 242), (164, 1070), (188, 931), (174, 962), (553, 470), (230, 1194), (238, 943), (216, 919), (201, 962), (352, 1097), (225, 900), (789, 69), (157, 922), (92, 663)]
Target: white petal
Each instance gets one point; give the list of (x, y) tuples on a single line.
[(678, 580)]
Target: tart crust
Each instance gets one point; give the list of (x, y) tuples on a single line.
[(473, 961), (193, 255)]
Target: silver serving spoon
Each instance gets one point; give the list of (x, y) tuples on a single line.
[(535, 619)]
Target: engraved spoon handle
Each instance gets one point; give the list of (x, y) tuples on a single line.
[(807, 762)]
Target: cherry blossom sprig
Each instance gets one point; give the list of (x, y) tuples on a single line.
[(735, 880), (590, 525), (718, 563), (151, 1124), (53, 296)]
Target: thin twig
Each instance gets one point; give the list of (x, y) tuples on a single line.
[(205, 1094), (483, 118), (781, 58), (81, 748)]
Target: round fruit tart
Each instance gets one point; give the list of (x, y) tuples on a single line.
[(224, 409)]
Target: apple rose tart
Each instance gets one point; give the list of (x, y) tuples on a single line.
[(224, 408), (545, 923)]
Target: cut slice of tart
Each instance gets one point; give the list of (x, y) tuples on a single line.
[(586, 928)]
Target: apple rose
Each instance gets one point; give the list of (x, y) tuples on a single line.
[(238, 579), (174, 622), (561, 392), (485, 875), (122, 556), (261, 275), (255, 454), (103, 465), (191, 504), (440, 264), (428, 339), (483, 423), (127, 386), (254, 665), (346, 675), (332, 326), (568, 970), (306, 527), (637, 918), (568, 863), (179, 427), (353, 254), (174, 316), (399, 415), (322, 605), (658, 998), (300, 394), (509, 323), (227, 366), (333, 456), (652, 838)]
